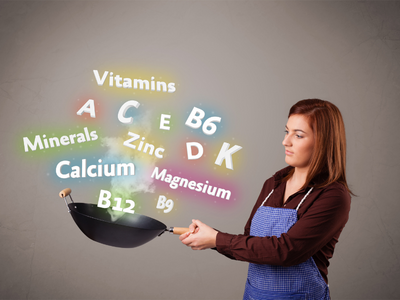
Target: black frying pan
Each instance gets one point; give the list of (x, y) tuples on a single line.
[(129, 231)]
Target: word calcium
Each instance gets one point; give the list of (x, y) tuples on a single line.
[(121, 169)]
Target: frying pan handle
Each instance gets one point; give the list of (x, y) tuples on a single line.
[(65, 192), (178, 230)]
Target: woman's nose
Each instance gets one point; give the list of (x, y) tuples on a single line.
[(286, 141)]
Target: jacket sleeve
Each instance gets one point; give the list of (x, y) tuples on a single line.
[(322, 222)]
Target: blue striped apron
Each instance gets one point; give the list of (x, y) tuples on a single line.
[(264, 282)]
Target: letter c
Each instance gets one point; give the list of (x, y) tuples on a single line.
[(157, 153), (58, 169), (124, 108)]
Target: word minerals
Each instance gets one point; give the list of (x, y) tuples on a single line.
[(44, 143), (176, 181)]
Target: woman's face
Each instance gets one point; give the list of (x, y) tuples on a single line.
[(298, 142)]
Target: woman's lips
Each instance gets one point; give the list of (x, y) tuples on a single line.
[(288, 152)]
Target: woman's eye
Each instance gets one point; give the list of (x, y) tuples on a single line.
[(299, 136), (286, 132)]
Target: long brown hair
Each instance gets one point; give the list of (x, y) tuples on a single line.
[(328, 161)]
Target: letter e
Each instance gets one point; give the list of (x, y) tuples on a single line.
[(163, 122)]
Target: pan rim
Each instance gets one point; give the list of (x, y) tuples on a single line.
[(75, 210)]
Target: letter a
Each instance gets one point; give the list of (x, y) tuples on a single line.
[(88, 107)]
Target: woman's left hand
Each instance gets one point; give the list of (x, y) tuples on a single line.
[(200, 237)]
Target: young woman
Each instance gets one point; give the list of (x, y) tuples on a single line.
[(299, 215)]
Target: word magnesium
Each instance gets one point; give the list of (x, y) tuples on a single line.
[(176, 181)]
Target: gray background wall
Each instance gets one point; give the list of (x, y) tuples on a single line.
[(248, 60)]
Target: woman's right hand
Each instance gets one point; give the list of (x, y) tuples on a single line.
[(200, 236), (192, 229)]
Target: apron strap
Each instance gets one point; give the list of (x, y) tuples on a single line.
[(298, 206), (304, 198), (262, 204)]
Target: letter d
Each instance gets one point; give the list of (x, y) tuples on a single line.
[(189, 150)]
